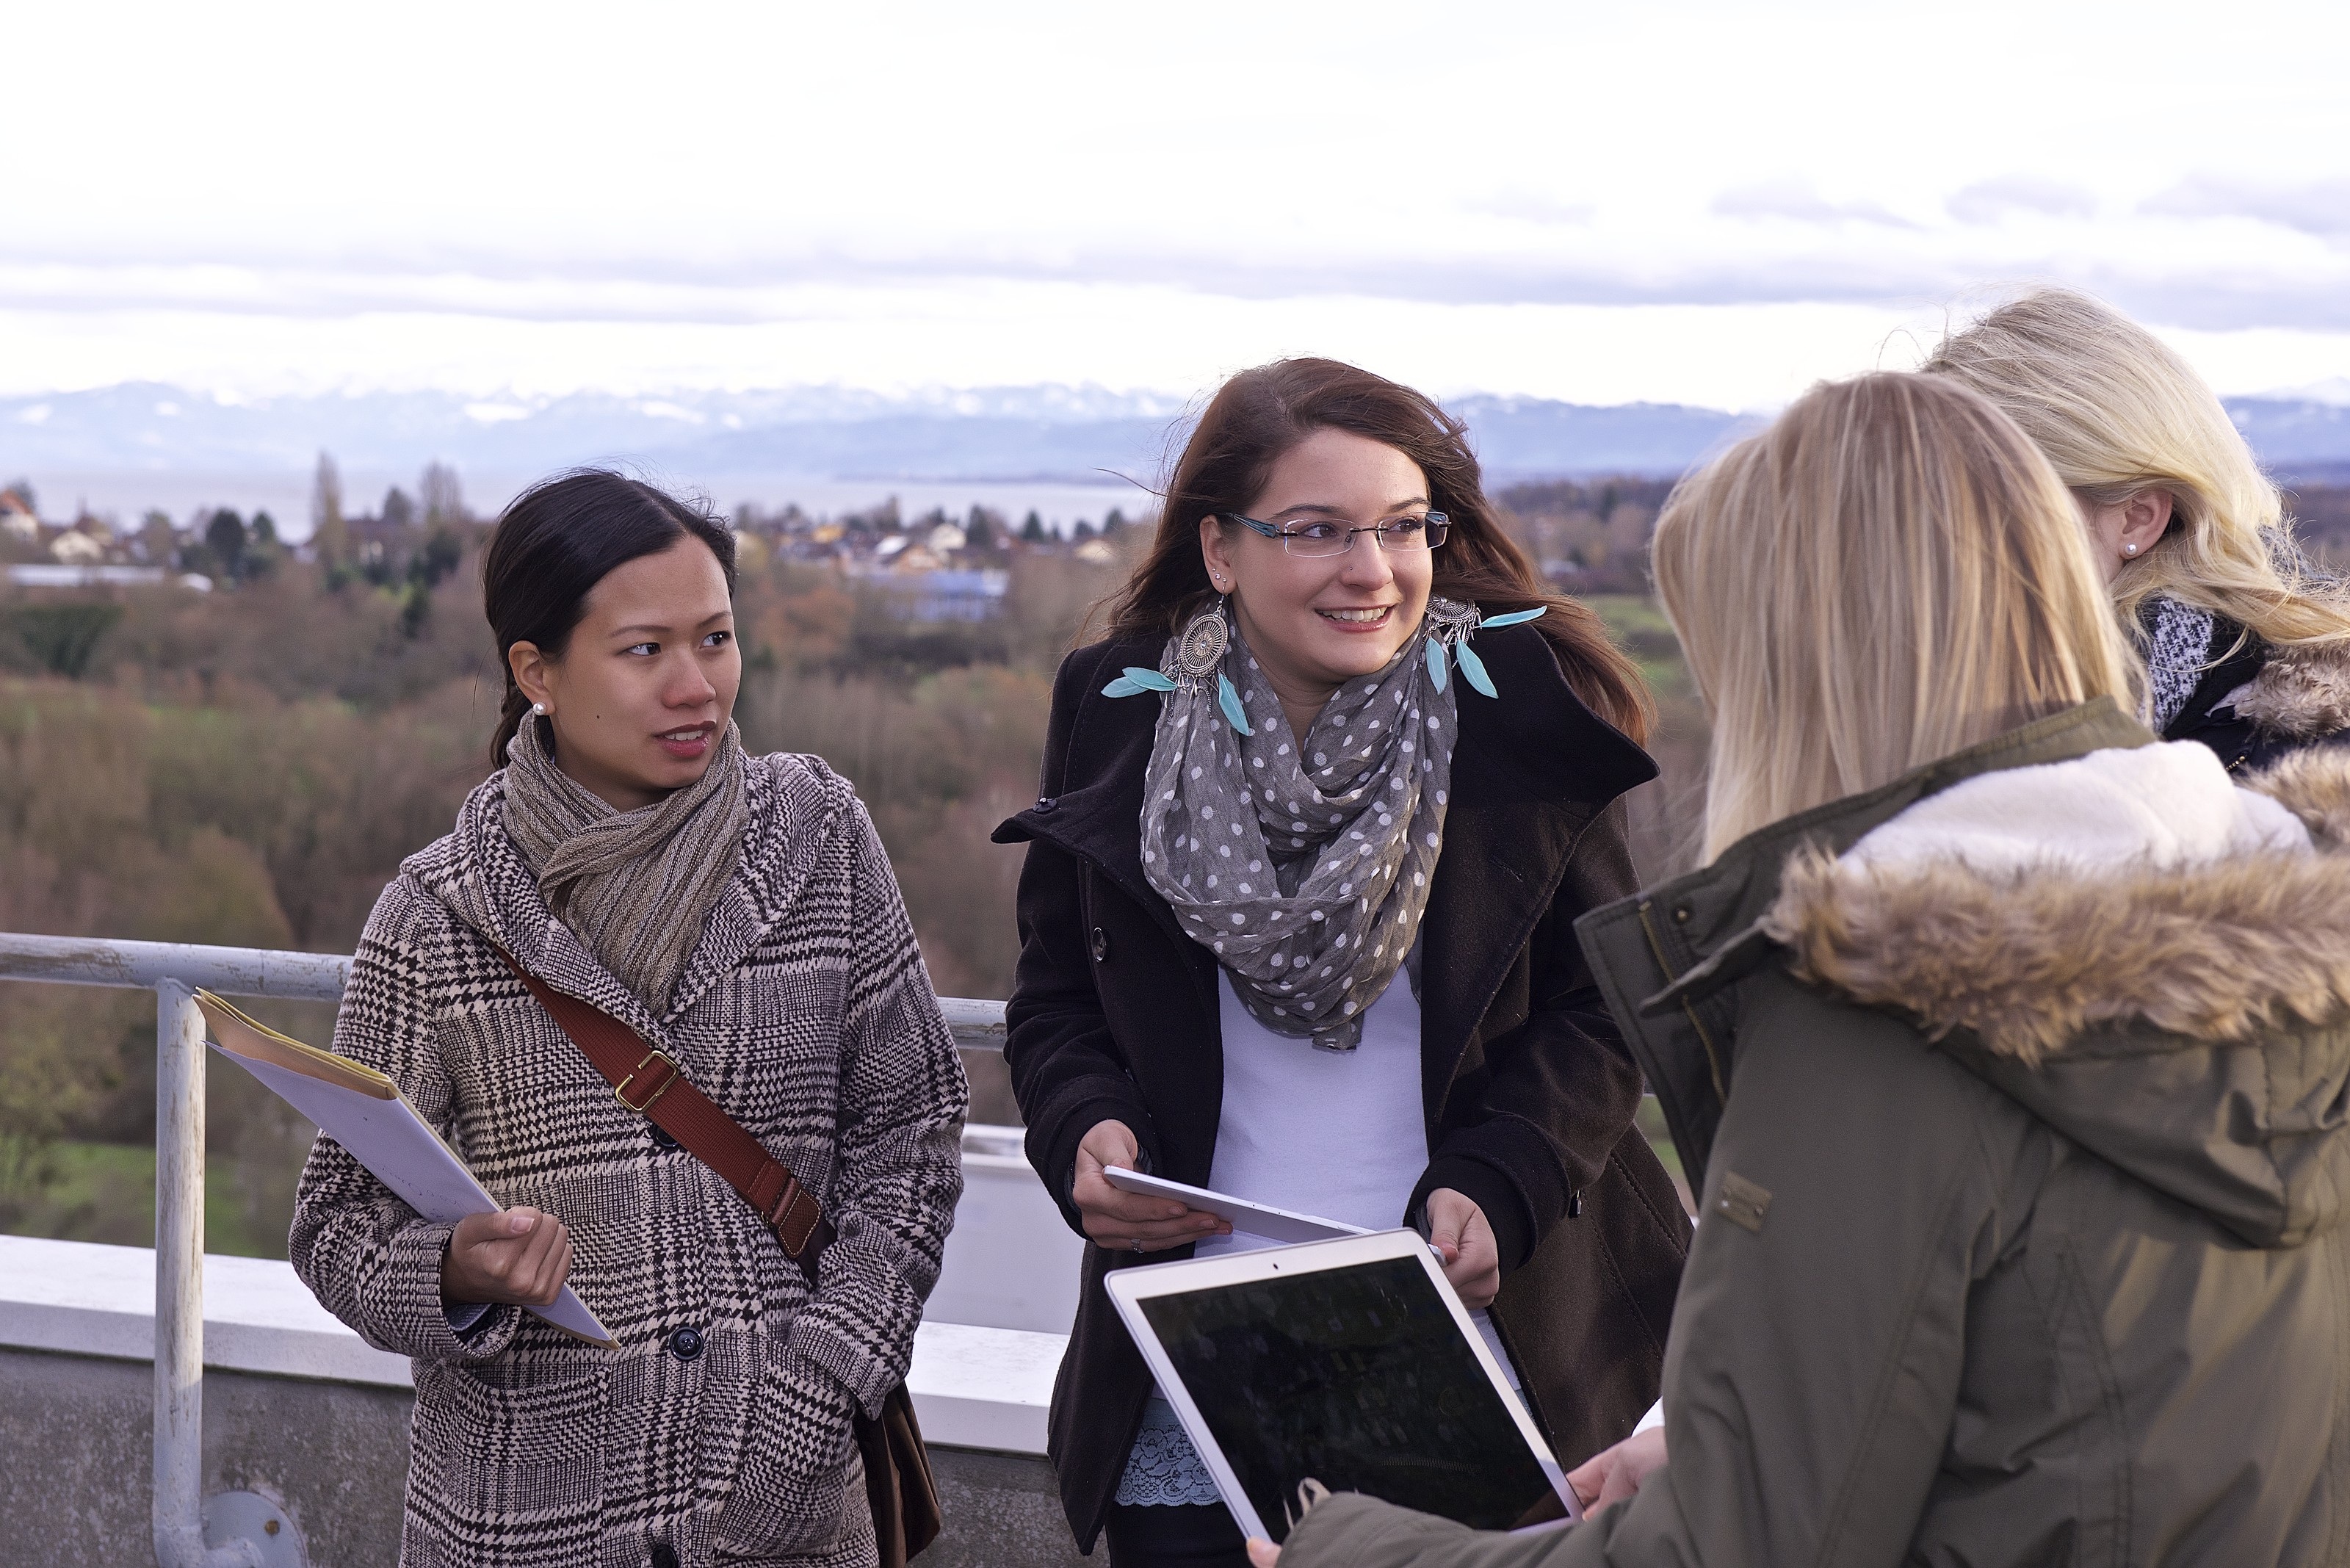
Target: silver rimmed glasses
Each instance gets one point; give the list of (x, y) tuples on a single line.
[(1317, 536)]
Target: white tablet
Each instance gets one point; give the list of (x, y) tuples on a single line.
[(1349, 1362), (1255, 1219)]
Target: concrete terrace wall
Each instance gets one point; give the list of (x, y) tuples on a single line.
[(297, 1409)]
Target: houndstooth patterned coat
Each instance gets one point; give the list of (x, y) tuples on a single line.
[(807, 1013)]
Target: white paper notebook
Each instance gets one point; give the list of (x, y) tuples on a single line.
[(364, 1111)]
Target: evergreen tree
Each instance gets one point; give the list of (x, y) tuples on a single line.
[(1032, 531), (225, 541)]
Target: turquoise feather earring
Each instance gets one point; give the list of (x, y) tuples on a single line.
[(1451, 624), (1198, 654)]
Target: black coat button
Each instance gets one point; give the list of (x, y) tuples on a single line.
[(664, 1555), (1101, 945), (662, 1139), (685, 1344)]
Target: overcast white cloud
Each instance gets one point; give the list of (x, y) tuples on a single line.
[(1702, 202)]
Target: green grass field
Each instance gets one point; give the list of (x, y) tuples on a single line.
[(105, 1192), (1640, 628)]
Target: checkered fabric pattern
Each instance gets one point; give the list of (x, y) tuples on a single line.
[(804, 1011)]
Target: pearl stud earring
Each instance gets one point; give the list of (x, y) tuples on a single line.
[(2129, 549), (539, 708)]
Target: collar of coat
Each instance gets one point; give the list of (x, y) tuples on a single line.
[(2300, 692), (795, 807), (1532, 768), (1536, 744), (2025, 962)]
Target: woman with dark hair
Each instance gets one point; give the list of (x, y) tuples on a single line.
[(1317, 820), (738, 914)]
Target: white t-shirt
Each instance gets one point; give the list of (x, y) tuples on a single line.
[(1336, 1135), (1339, 1135)]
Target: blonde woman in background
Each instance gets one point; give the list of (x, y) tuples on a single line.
[(2244, 651), (2002, 1042)]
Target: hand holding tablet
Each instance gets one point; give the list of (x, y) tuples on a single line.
[(1128, 1221), (1237, 1213), (1348, 1361)]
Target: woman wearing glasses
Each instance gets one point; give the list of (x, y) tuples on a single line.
[(1316, 823)]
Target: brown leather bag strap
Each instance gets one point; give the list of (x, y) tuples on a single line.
[(647, 1081)]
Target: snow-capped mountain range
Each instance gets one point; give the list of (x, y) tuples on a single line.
[(1049, 433)]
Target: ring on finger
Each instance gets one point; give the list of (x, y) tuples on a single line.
[(1138, 1243)]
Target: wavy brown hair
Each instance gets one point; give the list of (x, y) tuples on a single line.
[(1258, 416)]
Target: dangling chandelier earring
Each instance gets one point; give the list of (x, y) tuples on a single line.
[(1199, 653), (1449, 624)]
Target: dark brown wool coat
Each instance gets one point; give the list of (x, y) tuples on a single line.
[(1527, 1089), (721, 1427)]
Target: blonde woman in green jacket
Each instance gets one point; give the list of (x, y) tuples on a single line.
[(2009, 1048)]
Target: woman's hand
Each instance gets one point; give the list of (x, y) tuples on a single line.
[(1119, 1220), (1615, 1475), (517, 1255), (1473, 1261)]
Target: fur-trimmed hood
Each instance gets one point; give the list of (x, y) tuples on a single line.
[(2153, 959), (2300, 692)]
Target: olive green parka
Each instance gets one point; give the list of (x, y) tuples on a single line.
[(2021, 1198)]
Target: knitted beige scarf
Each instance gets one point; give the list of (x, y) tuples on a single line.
[(636, 886)]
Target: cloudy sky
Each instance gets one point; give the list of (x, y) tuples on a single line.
[(1695, 202)]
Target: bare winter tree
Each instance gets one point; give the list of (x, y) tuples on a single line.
[(445, 503)]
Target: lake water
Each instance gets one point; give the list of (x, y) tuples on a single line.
[(125, 494)]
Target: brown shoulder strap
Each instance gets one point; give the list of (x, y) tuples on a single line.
[(649, 1082)]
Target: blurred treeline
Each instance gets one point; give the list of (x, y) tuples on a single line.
[(248, 766)]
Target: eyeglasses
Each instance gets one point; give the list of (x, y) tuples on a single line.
[(1320, 536)]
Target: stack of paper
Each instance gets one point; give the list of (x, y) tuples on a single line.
[(362, 1110)]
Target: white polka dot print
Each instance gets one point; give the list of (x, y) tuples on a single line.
[(1339, 834)]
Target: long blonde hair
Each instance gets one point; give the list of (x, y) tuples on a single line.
[(1890, 574), (2119, 413)]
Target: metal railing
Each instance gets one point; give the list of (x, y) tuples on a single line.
[(174, 972)]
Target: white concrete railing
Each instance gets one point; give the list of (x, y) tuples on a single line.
[(984, 1383), (975, 1386)]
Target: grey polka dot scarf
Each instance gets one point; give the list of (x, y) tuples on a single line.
[(1305, 872)]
